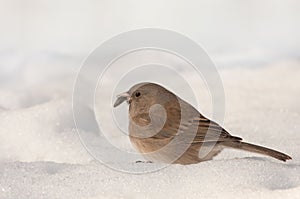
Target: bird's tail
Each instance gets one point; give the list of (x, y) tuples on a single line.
[(257, 149)]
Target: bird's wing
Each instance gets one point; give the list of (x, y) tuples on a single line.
[(192, 126), (185, 122), (209, 131), (199, 130)]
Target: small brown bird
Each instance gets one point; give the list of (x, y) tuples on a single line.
[(165, 128)]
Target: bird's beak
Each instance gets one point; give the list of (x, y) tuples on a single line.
[(121, 98)]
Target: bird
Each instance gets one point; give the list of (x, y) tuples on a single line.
[(166, 129)]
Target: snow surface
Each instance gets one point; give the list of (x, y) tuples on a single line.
[(41, 155)]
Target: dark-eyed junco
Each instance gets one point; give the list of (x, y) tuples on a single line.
[(165, 128)]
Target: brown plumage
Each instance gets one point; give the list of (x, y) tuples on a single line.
[(165, 128)]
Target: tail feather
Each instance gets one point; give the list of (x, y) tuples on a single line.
[(257, 149)]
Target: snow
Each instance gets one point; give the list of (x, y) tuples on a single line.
[(238, 178), (41, 155)]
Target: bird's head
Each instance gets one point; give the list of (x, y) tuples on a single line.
[(144, 95)]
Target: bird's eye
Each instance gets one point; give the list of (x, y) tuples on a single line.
[(137, 94)]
